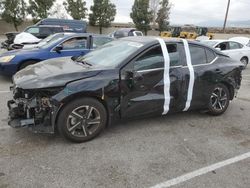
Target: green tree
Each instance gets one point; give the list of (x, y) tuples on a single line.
[(13, 11), (103, 13), (141, 15), (76, 8), (40, 9), (163, 15)]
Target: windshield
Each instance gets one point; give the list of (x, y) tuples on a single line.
[(209, 43), (47, 42), (111, 54)]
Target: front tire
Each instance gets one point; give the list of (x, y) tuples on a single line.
[(219, 100), (82, 120)]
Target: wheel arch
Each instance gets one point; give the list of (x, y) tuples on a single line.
[(230, 89), (71, 98), (27, 60)]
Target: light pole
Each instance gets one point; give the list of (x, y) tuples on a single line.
[(225, 22)]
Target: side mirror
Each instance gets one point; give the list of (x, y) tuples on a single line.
[(58, 48), (218, 49), (129, 75)]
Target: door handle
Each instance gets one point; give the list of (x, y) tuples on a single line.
[(142, 86), (217, 70)]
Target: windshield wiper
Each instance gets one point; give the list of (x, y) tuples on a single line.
[(84, 62)]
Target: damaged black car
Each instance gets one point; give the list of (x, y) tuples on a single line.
[(127, 78)]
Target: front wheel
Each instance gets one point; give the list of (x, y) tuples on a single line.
[(219, 100), (82, 119)]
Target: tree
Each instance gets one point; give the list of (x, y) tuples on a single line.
[(141, 15), (13, 11), (103, 13), (58, 11), (163, 15), (40, 9), (154, 7), (76, 8)]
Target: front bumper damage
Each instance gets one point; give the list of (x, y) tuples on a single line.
[(36, 113)]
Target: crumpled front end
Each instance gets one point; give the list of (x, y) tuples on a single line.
[(33, 109)]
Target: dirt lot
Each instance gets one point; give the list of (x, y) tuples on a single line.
[(140, 153)]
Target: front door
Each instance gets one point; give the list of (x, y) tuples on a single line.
[(142, 82)]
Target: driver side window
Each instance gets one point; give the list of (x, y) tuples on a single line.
[(75, 43), (150, 60), (223, 46)]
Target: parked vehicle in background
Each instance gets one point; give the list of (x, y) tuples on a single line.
[(242, 40), (126, 78), (43, 29), (233, 49), (125, 32), (64, 44)]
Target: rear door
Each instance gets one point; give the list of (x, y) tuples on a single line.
[(205, 71), (142, 83)]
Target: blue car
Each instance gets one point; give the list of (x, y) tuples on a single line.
[(61, 45)]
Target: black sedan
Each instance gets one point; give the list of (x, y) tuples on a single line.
[(127, 78)]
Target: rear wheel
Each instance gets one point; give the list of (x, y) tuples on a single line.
[(82, 120), (26, 64), (244, 60), (219, 100)]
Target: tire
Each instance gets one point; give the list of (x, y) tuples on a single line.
[(82, 120), (219, 100), (26, 64), (244, 60)]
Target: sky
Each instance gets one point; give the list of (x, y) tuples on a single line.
[(190, 11)]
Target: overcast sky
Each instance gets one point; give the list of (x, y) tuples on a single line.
[(191, 11)]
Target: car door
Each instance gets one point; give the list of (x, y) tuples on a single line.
[(75, 46), (205, 71), (236, 51), (142, 82)]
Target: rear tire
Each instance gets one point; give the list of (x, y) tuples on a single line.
[(82, 120), (26, 64), (244, 60), (219, 100)]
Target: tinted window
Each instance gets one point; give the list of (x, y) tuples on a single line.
[(75, 43), (235, 45), (198, 55), (210, 55), (45, 31), (99, 41), (150, 60), (223, 46), (174, 55)]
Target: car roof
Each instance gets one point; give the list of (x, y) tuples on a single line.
[(146, 40)]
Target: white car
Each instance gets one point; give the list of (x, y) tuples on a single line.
[(233, 49)]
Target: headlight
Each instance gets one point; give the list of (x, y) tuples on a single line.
[(6, 59)]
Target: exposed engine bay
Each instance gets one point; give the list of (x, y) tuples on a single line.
[(32, 109)]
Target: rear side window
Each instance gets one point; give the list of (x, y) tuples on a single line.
[(210, 55), (235, 45), (198, 55)]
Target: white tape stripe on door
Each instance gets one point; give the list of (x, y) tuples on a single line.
[(191, 73), (166, 77)]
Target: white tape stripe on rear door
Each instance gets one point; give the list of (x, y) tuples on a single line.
[(166, 77), (191, 73)]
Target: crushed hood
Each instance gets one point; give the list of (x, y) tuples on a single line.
[(52, 73)]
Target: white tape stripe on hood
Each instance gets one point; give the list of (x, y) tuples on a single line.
[(191, 73), (166, 77)]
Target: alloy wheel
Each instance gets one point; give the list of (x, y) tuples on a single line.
[(83, 121), (219, 99)]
